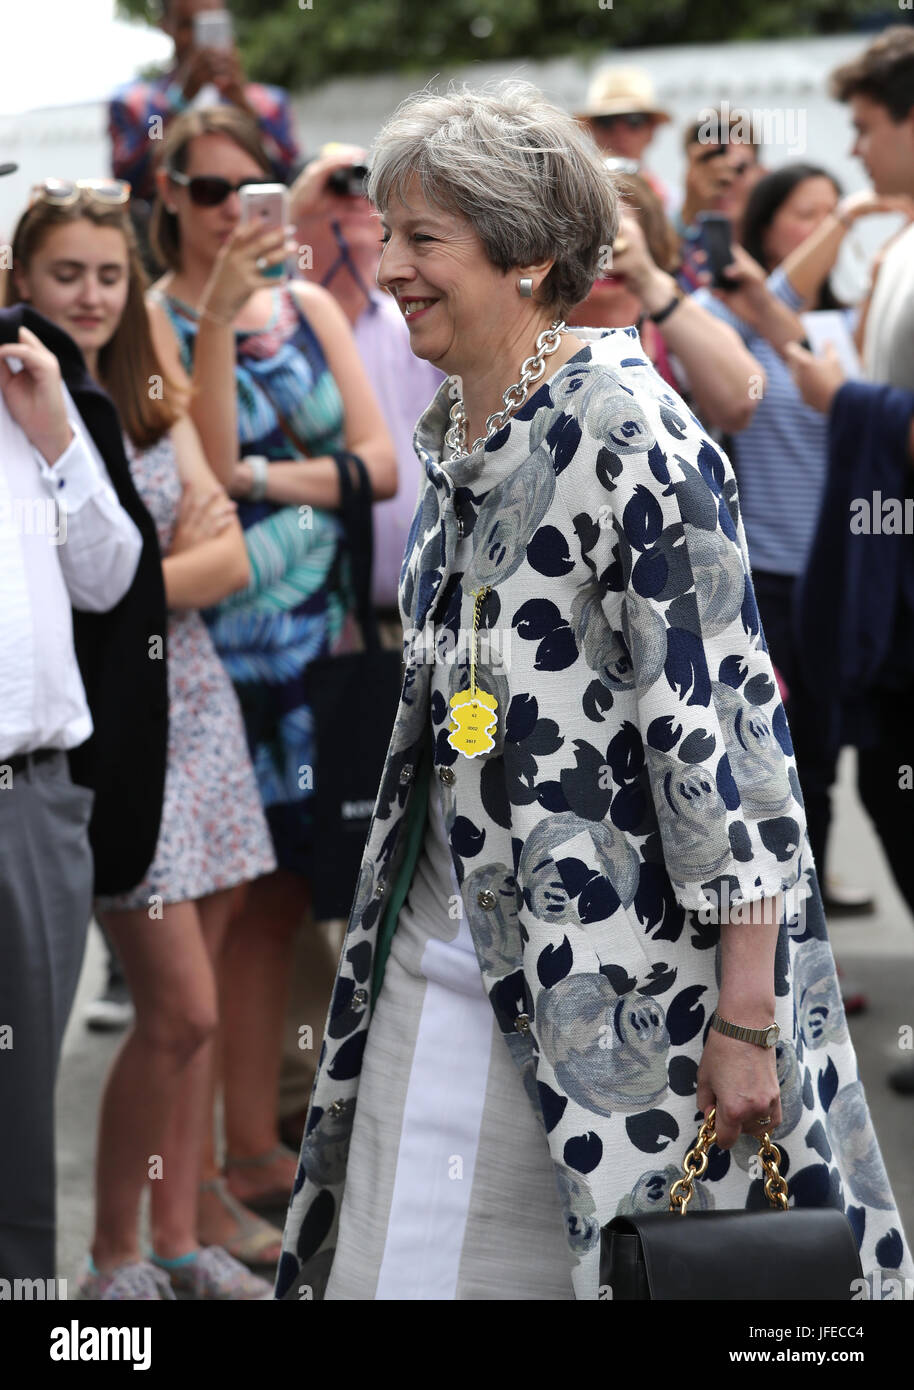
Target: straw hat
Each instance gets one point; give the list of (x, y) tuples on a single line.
[(622, 92)]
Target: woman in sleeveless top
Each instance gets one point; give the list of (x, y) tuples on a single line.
[(78, 265), (275, 378)]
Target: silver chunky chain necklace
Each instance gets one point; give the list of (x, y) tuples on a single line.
[(531, 371)]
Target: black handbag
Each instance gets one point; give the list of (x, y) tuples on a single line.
[(797, 1256), (353, 699)]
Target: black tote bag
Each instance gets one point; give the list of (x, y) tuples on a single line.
[(353, 699)]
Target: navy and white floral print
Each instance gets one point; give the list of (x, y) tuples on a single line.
[(642, 777)]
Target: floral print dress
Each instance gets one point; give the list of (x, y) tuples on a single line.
[(213, 832), (640, 783)]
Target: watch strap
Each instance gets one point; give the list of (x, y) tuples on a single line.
[(761, 1037)]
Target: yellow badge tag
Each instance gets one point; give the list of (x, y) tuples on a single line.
[(472, 720)]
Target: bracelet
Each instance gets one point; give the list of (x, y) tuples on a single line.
[(258, 464), (667, 309), (205, 313)]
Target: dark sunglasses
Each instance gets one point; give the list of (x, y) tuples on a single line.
[(635, 120), (208, 190)]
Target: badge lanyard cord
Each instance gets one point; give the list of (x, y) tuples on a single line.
[(344, 259)]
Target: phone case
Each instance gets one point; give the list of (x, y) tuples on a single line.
[(266, 203)]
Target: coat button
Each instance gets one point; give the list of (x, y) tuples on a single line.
[(360, 998), (336, 1108), (447, 776), (379, 888), (406, 774), (522, 1023), (486, 898)]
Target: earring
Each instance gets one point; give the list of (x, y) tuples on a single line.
[(525, 287)]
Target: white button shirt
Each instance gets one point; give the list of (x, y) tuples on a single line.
[(64, 540)]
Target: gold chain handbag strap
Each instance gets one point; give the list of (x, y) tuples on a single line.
[(695, 1165)]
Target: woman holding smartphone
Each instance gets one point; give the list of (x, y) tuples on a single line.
[(76, 262), (275, 376)]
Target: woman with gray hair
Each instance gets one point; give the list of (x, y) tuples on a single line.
[(587, 911)]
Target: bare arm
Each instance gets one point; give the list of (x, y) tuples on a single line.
[(213, 401), (210, 569), (807, 267), (210, 391), (316, 481), (721, 370)]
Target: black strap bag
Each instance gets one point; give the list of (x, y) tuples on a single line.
[(778, 1254), (353, 699)]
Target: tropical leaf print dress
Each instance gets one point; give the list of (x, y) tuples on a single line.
[(295, 606)]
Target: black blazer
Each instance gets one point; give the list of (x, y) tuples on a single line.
[(124, 760)]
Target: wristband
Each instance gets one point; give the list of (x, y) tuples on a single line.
[(667, 309), (258, 464)]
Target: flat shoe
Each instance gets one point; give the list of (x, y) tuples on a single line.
[(257, 1243), (272, 1197)]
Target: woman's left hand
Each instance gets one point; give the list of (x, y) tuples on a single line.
[(741, 1080), (749, 286)]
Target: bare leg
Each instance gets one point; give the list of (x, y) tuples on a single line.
[(173, 1204), (256, 971), (171, 983)]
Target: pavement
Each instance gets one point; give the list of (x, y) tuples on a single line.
[(876, 953)]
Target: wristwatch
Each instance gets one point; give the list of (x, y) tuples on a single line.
[(762, 1037), (258, 464)]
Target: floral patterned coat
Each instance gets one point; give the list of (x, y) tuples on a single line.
[(642, 775)]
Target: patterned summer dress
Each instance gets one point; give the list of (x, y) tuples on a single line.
[(295, 606), (213, 833)]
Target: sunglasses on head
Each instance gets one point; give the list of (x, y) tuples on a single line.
[(635, 120), (65, 192), (208, 190)]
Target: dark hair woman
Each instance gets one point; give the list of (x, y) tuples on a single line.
[(795, 223)]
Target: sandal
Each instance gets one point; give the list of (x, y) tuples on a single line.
[(257, 1243), (272, 1197)]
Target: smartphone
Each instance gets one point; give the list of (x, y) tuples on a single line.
[(213, 29), (715, 240), (267, 204)]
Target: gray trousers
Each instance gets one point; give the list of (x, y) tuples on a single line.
[(45, 905)]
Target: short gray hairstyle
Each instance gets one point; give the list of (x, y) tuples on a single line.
[(521, 170)]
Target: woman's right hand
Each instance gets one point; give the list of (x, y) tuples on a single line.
[(867, 203), (201, 517), (236, 274)]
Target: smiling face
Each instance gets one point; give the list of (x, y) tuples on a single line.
[(883, 145), (799, 215), (204, 230), (461, 310), (79, 278)]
